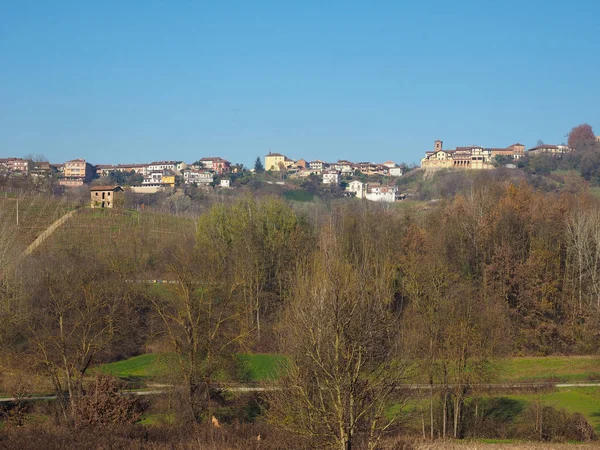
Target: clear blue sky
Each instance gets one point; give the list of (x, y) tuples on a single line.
[(135, 81)]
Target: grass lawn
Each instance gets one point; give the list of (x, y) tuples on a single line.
[(149, 366), (260, 366), (299, 195), (156, 366), (584, 400), (551, 368)]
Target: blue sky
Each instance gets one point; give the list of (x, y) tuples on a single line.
[(136, 81)]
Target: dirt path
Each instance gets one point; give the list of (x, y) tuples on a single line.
[(48, 232)]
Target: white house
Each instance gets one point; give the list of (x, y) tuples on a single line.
[(357, 188), (331, 177), (153, 178), (225, 183), (175, 166), (198, 177), (395, 171), (381, 193), (317, 166)]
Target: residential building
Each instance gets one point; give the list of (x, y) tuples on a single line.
[(18, 165), (373, 191), (217, 164), (77, 172), (357, 188), (317, 166), (41, 169), (105, 196), (103, 170), (395, 171), (553, 150), (331, 177), (175, 166), (381, 193), (198, 177), (225, 183), (345, 167), (168, 180), (15, 165), (302, 164), (597, 138), (369, 168), (275, 161), (153, 178), (141, 169)]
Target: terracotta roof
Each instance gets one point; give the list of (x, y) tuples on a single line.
[(276, 154), (105, 188), (543, 146)]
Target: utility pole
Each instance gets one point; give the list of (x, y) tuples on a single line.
[(17, 210)]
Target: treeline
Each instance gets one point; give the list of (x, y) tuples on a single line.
[(362, 298)]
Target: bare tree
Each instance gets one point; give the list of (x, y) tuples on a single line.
[(340, 332), (75, 311), (200, 318)]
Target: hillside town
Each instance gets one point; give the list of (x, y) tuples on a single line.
[(363, 180), (215, 172)]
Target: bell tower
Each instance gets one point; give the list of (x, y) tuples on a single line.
[(438, 145)]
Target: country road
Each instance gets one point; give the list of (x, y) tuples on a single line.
[(258, 388)]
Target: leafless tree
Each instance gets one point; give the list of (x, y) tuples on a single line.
[(340, 332)]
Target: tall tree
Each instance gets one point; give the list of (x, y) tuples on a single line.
[(340, 332), (258, 165), (581, 136), (200, 320)]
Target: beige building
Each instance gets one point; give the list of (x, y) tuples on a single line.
[(76, 172), (547, 149), (106, 196), (473, 157), (275, 161)]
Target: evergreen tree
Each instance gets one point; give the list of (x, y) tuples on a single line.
[(258, 165)]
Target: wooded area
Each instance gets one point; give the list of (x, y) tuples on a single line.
[(358, 296)]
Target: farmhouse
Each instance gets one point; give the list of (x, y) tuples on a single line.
[(105, 196)]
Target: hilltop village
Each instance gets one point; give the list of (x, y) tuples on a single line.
[(364, 180), (353, 179)]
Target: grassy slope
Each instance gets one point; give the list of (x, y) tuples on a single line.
[(156, 366), (554, 368), (259, 367), (36, 213), (584, 400)]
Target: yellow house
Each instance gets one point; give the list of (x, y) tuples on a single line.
[(273, 161), (168, 179)]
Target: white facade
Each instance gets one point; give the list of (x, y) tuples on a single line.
[(395, 171), (316, 166), (225, 183), (176, 166), (331, 177), (357, 188), (153, 178), (379, 193), (197, 177)]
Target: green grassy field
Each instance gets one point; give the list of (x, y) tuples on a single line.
[(299, 195), (552, 368), (157, 367), (260, 367), (149, 366), (584, 400)]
